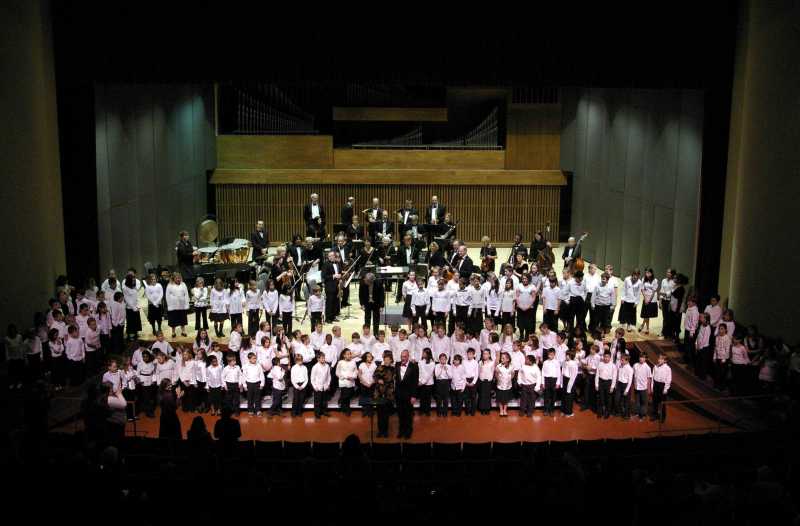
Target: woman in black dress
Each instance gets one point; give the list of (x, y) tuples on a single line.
[(383, 393)]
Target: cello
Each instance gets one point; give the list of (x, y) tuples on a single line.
[(577, 263)]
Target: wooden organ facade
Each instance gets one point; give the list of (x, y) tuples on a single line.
[(490, 192)]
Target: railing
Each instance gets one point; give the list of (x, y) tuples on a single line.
[(716, 414)]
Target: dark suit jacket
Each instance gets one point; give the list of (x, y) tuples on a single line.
[(259, 243), (465, 267), (348, 249), (406, 387), (308, 254), (307, 213), (378, 293), (412, 212), (347, 215), (376, 227), (440, 212), (572, 252), (355, 233), (328, 273), (436, 259), (400, 256)]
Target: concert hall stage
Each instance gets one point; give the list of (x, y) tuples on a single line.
[(479, 428)]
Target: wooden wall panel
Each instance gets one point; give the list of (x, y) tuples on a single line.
[(389, 114), (533, 140), (274, 151), (496, 211), (344, 158), (389, 176)]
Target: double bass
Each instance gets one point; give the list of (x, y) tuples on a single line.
[(546, 257)]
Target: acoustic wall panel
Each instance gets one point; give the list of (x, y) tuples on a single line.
[(635, 157), (155, 144)]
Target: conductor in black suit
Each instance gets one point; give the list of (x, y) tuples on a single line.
[(406, 379), (372, 298), (259, 240), (434, 213), (314, 217)]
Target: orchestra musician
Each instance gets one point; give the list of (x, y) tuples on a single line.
[(331, 274), (488, 255), (348, 211), (571, 252), (354, 229), (464, 265), (259, 240), (314, 217), (435, 256), (344, 250), (517, 248), (280, 263), (375, 212), (372, 297), (405, 214), (407, 255), (185, 253), (435, 211), (382, 228), (538, 246), (368, 254), (413, 229)]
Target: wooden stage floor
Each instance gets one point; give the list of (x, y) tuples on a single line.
[(352, 319), (479, 428)]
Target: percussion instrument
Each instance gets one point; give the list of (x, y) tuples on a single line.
[(237, 251)]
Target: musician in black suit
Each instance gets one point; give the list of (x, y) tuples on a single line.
[(314, 217), (571, 252), (406, 380), (331, 274), (374, 212), (348, 211), (517, 248), (464, 266), (259, 240), (414, 230), (406, 254), (344, 249), (372, 298), (405, 214), (381, 228), (355, 230), (434, 213)]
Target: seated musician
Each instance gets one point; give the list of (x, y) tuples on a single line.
[(488, 255), (382, 228), (407, 255), (449, 225), (355, 230), (259, 240), (369, 254), (414, 230), (436, 257), (538, 245)]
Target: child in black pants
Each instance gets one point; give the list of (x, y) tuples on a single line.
[(442, 374), (278, 376), (299, 379)]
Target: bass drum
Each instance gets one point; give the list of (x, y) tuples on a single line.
[(313, 278)]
